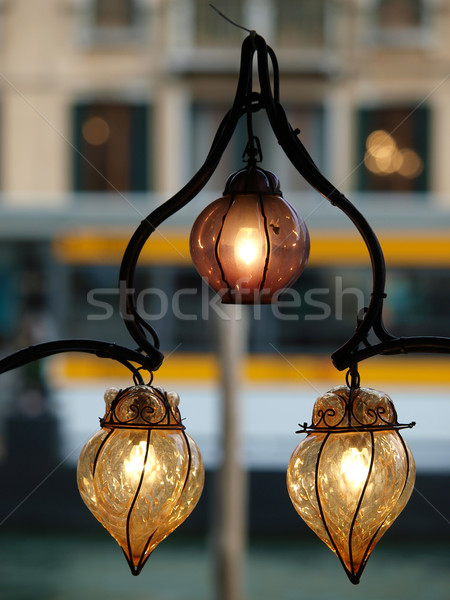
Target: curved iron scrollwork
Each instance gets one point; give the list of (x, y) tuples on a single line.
[(141, 407), (123, 355), (357, 348), (148, 354), (348, 410)]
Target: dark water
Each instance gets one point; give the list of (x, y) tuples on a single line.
[(68, 566)]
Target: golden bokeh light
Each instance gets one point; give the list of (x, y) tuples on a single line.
[(383, 157), (412, 165), (96, 131), (380, 144), (372, 164)]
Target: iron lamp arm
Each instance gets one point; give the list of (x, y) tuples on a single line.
[(302, 161), (349, 353), (405, 345), (123, 355)]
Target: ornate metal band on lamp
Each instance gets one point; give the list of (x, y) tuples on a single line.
[(353, 474)]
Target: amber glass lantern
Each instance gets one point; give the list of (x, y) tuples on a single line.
[(251, 243), (353, 474), (141, 475)]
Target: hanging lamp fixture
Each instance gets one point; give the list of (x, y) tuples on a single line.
[(142, 475), (353, 474), (250, 244)]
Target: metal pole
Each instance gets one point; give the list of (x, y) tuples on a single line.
[(231, 512)]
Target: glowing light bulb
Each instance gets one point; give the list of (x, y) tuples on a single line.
[(248, 246), (354, 467), (135, 463), (142, 456)]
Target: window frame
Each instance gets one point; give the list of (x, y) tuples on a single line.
[(138, 154), (90, 33), (421, 135), (419, 36)]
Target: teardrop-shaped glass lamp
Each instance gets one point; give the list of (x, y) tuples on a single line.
[(141, 475), (353, 474)]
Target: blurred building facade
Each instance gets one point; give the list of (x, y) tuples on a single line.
[(108, 107)]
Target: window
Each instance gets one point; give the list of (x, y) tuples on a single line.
[(25, 298), (112, 144), (418, 301), (193, 322), (113, 23), (300, 24), (319, 311), (92, 303), (8, 291), (400, 23), (399, 14), (316, 315), (168, 297), (393, 149), (114, 13), (212, 30)]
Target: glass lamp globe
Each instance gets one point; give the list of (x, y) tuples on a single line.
[(141, 475), (353, 474), (251, 243)]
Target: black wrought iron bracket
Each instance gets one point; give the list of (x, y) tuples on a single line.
[(123, 355), (357, 348), (148, 355)]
